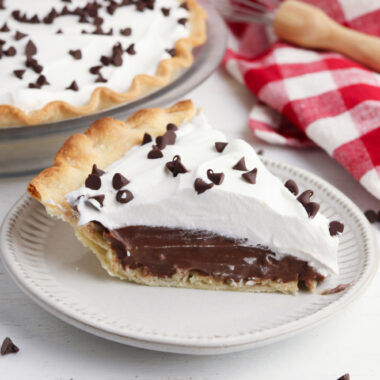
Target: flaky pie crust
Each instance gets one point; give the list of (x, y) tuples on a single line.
[(103, 97), (106, 141)]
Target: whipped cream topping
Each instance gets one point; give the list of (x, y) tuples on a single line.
[(265, 213), (152, 33)]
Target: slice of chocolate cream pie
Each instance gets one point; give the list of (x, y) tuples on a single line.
[(164, 199)]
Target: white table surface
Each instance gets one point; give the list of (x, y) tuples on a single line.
[(348, 342)]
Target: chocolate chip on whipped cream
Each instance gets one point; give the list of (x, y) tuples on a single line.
[(176, 166), (98, 198), (220, 146), (131, 49), (171, 52), (126, 32), (304, 197), (73, 86), (19, 73), (336, 228), (291, 186), (93, 182), (165, 11), (250, 177), (216, 178), (171, 127), (312, 208), (240, 165), (147, 138), (155, 153), (76, 54), (124, 196), (118, 181), (201, 186), (97, 171), (19, 35), (161, 142)]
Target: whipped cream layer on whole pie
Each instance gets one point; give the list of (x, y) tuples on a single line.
[(64, 50), (190, 209)]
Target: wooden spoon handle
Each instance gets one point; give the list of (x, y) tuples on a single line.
[(309, 27)]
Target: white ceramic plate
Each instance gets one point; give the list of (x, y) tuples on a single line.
[(50, 265)]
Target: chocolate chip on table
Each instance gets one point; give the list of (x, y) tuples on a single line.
[(171, 127), (131, 49), (19, 35), (345, 377), (93, 182), (171, 52), (291, 186), (312, 209), (165, 11), (250, 177), (201, 186), (240, 165), (19, 73), (97, 171), (8, 347), (220, 146), (304, 197), (124, 196), (126, 31), (336, 228), (216, 178), (76, 54), (99, 198), (155, 153), (176, 166), (118, 181), (73, 86), (147, 138), (371, 216)]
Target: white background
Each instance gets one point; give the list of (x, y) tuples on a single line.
[(348, 342)]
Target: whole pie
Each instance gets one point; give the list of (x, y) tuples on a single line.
[(67, 58), (164, 199)]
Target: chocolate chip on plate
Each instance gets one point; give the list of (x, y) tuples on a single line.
[(250, 177), (219, 146), (8, 347), (201, 186), (291, 186), (240, 165), (336, 228), (124, 196), (216, 178), (118, 181)]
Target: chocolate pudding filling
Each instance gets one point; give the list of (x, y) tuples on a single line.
[(161, 252)]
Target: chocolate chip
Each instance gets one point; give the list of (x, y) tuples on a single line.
[(170, 137), (336, 228), (30, 49), (131, 49), (171, 52), (345, 377), (19, 36), (99, 198), (8, 347), (98, 21), (175, 166), (42, 81), (19, 73), (155, 153), (216, 178), (165, 11), (59, 31), (126, 31), (291, 186), (305, 196), (117, 60), (182, 21), (97, 171), (76, 54), (260, 152), (201, 186), (220, 146), (184, 5), (11, 52), (147, 138), (101, 79), (171, 127), (161, 142), (93, 182), (105, 60), (34, 20), (30, 62), (34, 85), (240, 165), (95, 69), (124, 196), (73, 86), (4, 28), (250, 177), (371, 216), (312, 209), (118, 181)]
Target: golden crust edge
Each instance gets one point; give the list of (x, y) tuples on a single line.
[(104, 142), (103, 97)]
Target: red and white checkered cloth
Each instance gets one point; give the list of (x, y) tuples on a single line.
[(306, 97)]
